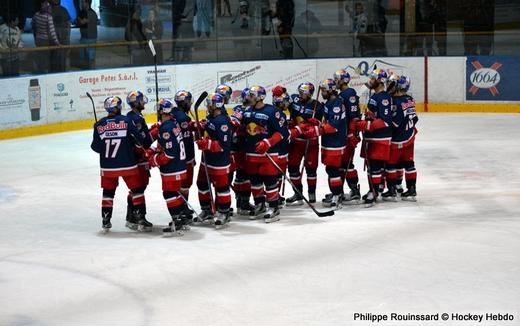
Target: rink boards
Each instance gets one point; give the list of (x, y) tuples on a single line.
[(58, 102)]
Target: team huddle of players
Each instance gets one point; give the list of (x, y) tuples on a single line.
[(251, 149)]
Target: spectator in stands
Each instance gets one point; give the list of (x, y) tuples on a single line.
[(61, 19), (44, 36), (10, 40), (153, 30), (359, 28), (227, 8), (285, 13), (87, 21), (203, 17), (178, 7), (134, 33), (431, 25), (479, 25)]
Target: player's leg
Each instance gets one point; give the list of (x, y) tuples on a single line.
[(222, 199), (109, 185), (296, 152), (374, 180), (242, 187), (186, 184), (269, 174), (204, 195), (391, 175), (175, 205), (410, 173), (137, 186), (311, 168), (131, 220), (335, 184)]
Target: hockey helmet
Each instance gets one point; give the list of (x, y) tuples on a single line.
[(342, 76), (166, 105), (215, 100), (224, 90), (257, 93), (113, 103), (135, 97)]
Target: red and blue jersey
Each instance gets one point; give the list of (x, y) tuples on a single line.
[(183, 120), (335, 114), (171, 142), (301, 112), (380, 107), (404, 119), (219, 129), (261, 123), (142, 128), (115, 139), (351, 103), (239, 139), (283, 145)]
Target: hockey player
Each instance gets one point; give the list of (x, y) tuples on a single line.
[(216, 144), (377, 132), (333, 140), (116, 138), (264, 132), (137, 100), (282, 101), (304, 110), (241, 184), (183, 99), (348, 170), (404, 120), (225, 91), (171, 160)]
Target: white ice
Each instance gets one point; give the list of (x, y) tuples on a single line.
[(456, 250)]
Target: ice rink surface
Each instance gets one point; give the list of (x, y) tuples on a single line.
[(456, 250)]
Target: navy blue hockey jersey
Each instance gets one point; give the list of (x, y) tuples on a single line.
[(404, 119), (261, 124), (219, 128), (351, 102), (380, 104), (283, 146), (183, 120), (300, 112), (142, 128), (239, 140), (114, 139), (171, 141), (335, 114)]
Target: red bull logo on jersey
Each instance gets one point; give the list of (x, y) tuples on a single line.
[(254, 129), (485, 78), (111, 125)]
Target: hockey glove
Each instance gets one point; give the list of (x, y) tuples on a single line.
[(296, 131), (154, 130), (158, 160), (263, 146), (206, 144), (370, 125), (327, 128), (353, 140), (313, 121), (312, 132)]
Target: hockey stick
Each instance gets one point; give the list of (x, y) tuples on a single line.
[(199, 133), (93, 105), (189, 205), (320, 214), (152, 49)]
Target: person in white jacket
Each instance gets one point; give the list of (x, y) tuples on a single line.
[(10, 41)]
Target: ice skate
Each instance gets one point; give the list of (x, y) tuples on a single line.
[(409, 195), (334, 203), (245, 208), (312, 197), (203, 216), (272, 215), (353, 197), (390, 195), (221, 220), (131, 223), (295, 200), (369, 199), (259, 209), (142, 224), (174, 227), (106, 225)]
